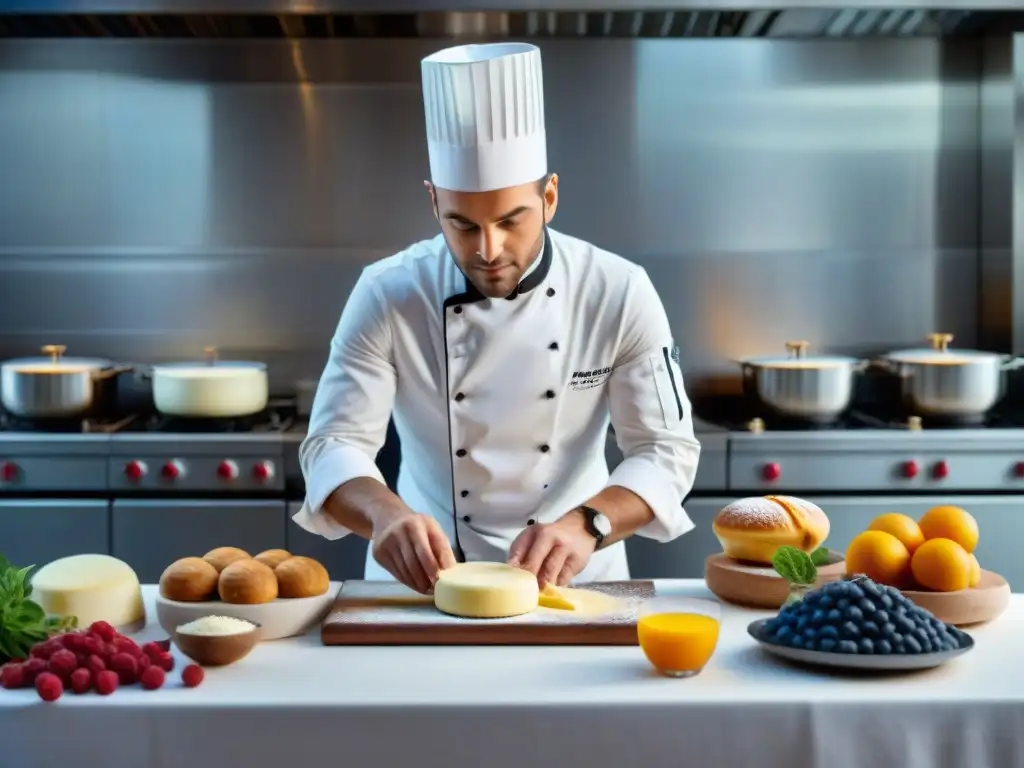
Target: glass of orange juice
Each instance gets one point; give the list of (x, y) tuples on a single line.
[(678, 635)]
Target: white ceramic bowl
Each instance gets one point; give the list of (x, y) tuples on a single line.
[(279, 618)]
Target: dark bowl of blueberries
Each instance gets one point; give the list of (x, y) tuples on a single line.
[(857, 623)]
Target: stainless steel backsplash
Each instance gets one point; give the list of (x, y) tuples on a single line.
[(160, 196)]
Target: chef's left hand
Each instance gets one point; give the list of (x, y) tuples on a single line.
[(555, 552)]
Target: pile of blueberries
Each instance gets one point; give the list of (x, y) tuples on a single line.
[(858, 615)]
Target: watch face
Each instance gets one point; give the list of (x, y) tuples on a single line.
[(602, 525)]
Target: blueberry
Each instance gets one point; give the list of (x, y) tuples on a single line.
[(829, 631), (810, 634), (881, 617), (886, 601), (889, 631), (818, 617), (912, 645), (950, 644), (826, 601), (883, 646), (904, 624), (866, 605), (850, 630), (870, 629), (899, 647), (847, 646), (837, 588), (853, 613), (783, 633), (843, 603), (802, 622), (854, 591), (834, 616), (927, 645), (866, 646), (922, 635), (826, 644), (797, 641), (870, 589)]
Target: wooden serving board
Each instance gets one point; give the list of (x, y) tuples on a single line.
[(968, 606), (388, 613)]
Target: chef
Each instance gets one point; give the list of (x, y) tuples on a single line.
[(502, 349)]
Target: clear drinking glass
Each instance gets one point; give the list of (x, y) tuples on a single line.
[(678, 635)]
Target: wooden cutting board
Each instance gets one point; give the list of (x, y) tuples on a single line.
[(387, 613)]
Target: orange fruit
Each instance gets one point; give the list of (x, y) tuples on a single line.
[(975, 572), (950, 523), (880, 556), (941, 565), (902, 527)]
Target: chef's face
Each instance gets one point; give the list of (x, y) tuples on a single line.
[(495, 236)]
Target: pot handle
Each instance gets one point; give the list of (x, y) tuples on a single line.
[(115, 370), (1011, 363)]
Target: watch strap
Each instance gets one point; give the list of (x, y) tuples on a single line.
[(589, 514)]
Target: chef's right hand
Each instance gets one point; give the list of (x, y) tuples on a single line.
[(414, 549)]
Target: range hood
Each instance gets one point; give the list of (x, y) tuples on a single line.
[(504, 19)]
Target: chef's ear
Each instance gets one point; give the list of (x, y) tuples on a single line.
[(433, 197), (550, 198)]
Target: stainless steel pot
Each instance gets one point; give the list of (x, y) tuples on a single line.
[(815, 388), (210, 389), (54, 386), (946, 383)]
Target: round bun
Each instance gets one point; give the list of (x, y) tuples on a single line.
[(247, 582), (221, 557), (753, 529), (273, 557), (188, 580), (301, 577)]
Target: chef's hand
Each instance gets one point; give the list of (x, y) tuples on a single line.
[(413, 549), (555, 552)]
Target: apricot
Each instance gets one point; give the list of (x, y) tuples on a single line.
[(902, 527), (880, 556), (951, 523), (942, 565)]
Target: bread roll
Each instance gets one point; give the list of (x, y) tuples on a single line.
[(301, 577), (273, 557), (188, 580), (753, 529), (247, 582), (221, 557)]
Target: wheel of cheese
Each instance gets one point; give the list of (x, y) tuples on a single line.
[(486, 591), (92, 588)]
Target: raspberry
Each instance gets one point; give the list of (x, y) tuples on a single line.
[(143, 662), (126, 667), (12, 676), (103, 630), (152, 677), (48, 686), (109, 651), (165, 662), (46, 649), (32, 669), (93, 644), (62, 663), (153, 650), (105, 682), (192, 675), (127, 645), (95, 664), (73, 641), (81, 680)]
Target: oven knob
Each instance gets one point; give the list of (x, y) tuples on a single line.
[(771, 471), (135, 470), (10, 472), (227, 470), (1018, 469), (940, 470), (910, 469), (264, 470), (173, 469)]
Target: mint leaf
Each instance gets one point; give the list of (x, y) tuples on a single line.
[(795, 566), (819, 557)]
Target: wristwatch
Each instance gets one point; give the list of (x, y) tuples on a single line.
[(597, 524)]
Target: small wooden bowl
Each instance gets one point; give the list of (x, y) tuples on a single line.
[(759, 586), (967, 606), (217, 650)]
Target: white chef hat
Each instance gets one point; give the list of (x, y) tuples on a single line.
[(485, 116)]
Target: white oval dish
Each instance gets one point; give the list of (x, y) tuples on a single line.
[(279, 618)]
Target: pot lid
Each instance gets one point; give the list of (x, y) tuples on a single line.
[(799, 359), (55, 362), (210, 369), (940, 353)]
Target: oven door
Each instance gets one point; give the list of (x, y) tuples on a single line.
[(39, 531)]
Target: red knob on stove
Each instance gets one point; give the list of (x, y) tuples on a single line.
[(771, 471), (173, 469), (227, 470), (263, 470), (1018, 469), (910, 468), (135, 470), (9, 472), (940, 470)]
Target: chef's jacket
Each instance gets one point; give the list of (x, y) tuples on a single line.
[(502, 406)]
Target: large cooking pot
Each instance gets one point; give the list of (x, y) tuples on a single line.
[(210, 389), (947, 383), (54, 386), (811, 387)]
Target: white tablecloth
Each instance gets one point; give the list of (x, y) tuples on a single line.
[(294, 702)]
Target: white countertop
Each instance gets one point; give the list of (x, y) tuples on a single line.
[(294, 699)]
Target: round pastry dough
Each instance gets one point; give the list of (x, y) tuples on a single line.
[(486, 591)]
